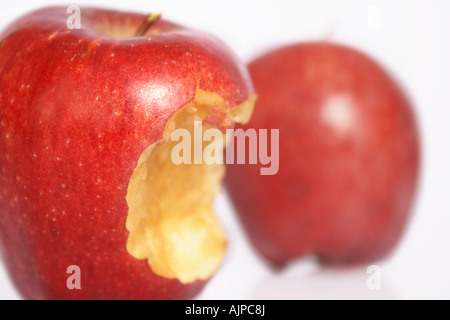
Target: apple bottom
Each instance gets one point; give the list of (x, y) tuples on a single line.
[(175, 242)]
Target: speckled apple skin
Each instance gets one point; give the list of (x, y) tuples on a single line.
[(349, 157), (76, 111)]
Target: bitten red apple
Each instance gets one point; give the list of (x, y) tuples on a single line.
[(87, 180), (349, 157)]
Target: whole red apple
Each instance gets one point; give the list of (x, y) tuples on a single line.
[(348, 157), (91, 205)]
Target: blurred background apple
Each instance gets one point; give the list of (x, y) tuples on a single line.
[(350, 156), (411, 38)]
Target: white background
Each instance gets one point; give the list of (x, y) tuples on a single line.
[(412, 39)]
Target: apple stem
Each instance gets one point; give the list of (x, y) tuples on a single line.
[(147, 23)]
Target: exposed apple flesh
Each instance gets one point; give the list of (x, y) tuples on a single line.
[(171, 217), (78, 110)]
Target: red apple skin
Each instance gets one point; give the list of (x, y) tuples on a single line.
[(76, 111), (349, 157)]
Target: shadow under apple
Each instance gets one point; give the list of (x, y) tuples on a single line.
[(307, 280)]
